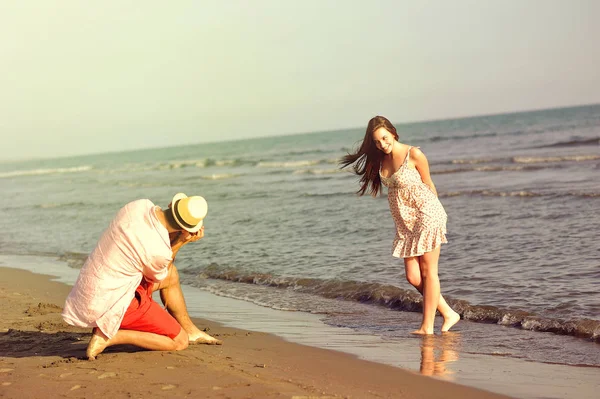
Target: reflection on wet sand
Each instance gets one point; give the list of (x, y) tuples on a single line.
[(437, 352)]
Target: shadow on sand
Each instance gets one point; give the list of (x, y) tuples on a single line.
[(18, 344)]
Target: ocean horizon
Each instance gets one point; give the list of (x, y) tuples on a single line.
[(399, 125)]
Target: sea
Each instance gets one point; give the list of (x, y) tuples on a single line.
[(286, 230)]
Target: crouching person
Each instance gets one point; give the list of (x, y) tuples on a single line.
[(133, 258)]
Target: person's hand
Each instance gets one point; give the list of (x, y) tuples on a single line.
[(184, 237), (197, 235)]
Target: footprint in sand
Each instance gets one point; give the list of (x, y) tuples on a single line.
[(43, 309), (108, 374)]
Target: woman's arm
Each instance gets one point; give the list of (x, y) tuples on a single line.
[(422, 166)]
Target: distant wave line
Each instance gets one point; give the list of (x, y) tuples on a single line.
[(530, 131), (522, 159), (233, 163), (576, 158), (222, 176), (516, 193), (517, 168), (295, 164), (572, 143), (478, 193), (37, 172)]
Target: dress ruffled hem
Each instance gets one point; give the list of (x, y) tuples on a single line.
[(425, 242)]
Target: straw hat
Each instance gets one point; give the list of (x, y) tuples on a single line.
[(189, 212)]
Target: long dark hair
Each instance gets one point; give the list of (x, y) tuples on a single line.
[(367, 160)]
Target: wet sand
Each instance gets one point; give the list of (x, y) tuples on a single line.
[(41, 356)]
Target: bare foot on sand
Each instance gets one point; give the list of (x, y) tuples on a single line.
[(450, 321), (422, 331), (97, 344), (200, 337)]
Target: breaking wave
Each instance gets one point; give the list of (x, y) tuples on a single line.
[(399, 299), (75, 260)]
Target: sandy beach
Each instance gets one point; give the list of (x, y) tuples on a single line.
[(41, 356)]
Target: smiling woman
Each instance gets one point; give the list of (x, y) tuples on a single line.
[(418, 214), (367, 160)]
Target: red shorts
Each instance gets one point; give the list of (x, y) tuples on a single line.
[(143, 314)]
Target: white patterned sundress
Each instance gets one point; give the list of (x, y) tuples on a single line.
[(417, 212)]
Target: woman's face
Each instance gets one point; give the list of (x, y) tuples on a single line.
[(384, 140)]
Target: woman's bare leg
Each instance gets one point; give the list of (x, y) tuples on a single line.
[(172, 297), (146, 340), (413, 276), (431, 290)]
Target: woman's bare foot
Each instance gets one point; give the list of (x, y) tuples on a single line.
[(97, 344), (423, 331), (450, 321), (200, 337)]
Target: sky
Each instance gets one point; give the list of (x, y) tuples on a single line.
[(79, 77)]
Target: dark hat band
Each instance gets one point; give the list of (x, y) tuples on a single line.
[(180, 219)]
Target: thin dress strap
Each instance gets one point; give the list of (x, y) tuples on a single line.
[(407, 155)]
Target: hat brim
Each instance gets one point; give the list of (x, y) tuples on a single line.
[(194, 229)]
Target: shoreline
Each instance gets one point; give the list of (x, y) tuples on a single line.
[(264, 329), (41, 354)]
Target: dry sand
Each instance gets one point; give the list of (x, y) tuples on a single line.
[(41, 356)]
